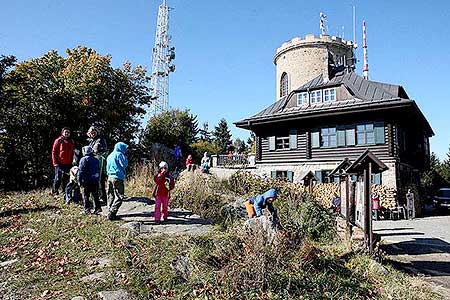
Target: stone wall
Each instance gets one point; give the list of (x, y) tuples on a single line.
[(304, 59)]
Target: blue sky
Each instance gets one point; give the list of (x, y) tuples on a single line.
[(225, 48)]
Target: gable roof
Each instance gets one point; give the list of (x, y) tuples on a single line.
[(366, 94), (367, 157)]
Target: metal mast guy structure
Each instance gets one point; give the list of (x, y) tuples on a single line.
[(163, 55)]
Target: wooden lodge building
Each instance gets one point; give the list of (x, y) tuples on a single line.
[(326, 113)]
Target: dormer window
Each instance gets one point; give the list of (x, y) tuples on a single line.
[(284, 85), (316, 97), (329, 94), (302, 99)]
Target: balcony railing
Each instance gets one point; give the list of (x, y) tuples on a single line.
[(234, 161)]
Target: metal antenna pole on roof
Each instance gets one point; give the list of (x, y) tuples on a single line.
[(354, 25), (323, 27), (366, 63)]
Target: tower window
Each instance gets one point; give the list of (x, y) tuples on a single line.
[(284, 85)]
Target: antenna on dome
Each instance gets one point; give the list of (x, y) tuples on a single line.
[(366, 63), (323, 27)]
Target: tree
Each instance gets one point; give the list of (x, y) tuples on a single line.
[(251, 141), (171, 127), (222, 135), (205, 135), (42, 95), (240, 146), (445, 168), (200, 147)]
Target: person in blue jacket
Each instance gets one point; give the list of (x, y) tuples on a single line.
[(88, 179), (116, 164), (255, 205)]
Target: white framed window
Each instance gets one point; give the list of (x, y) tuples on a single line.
[(328, 137), (302, 99), (315, 97), (329, 94)]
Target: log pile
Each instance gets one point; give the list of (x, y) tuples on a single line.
[(387, 196), (324, 193)]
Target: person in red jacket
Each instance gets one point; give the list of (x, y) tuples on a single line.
[(62, 157), (164, 184), (190, 165)]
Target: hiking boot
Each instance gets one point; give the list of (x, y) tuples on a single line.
[(112, 216), (86, 211), (157, 222), (97, 211)]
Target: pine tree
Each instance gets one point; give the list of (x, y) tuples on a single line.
[(445, 167), (222, 135)]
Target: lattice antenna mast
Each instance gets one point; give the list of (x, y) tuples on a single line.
[(163, 55)]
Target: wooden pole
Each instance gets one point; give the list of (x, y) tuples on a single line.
[(370, 209), (367, 215), (347, 207)]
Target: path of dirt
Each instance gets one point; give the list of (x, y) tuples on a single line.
[(137, 213)]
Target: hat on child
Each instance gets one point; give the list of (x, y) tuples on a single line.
[(163, 164)]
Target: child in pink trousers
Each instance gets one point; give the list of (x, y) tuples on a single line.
[(164, 184)]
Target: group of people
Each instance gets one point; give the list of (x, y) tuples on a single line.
[(95, 175), (100, 177), (205, 163)]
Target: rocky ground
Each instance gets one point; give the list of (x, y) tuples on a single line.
[(136, 214)]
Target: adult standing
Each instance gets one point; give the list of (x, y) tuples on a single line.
[(96, 139), (98, 143), (410, 208), (177, 155), (62, 157), (116, 164)]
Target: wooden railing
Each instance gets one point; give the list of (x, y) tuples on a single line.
[(233, 161)]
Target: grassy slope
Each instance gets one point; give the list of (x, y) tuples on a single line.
[(54, 244)]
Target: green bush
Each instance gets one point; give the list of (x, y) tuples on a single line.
[(299, 212)]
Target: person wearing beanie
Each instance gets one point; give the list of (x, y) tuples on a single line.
[(164, 184), (88, 179)]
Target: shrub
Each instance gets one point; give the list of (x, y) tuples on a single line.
[(299, 211), (199, 193)]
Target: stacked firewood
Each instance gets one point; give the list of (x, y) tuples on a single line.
[(325, 192), (387, 196)]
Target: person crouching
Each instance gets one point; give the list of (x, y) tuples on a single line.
[(164, 184), (88, 179), (255, 205)]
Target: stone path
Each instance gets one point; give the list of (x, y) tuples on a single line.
[(137, 213), (420, 246)]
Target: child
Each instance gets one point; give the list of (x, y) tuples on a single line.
[(88, 178), (255, 205), (100, 154), (190, 163), (205, 163), (72, 191), (164, 184)]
